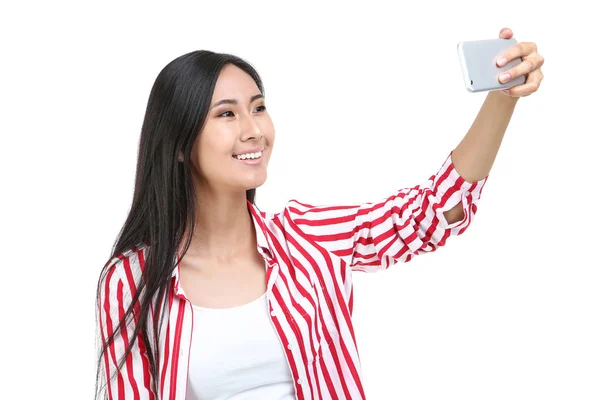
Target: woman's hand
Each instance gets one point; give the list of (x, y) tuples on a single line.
[(530, 66)]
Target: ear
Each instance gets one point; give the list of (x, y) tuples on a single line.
[(180, 158)]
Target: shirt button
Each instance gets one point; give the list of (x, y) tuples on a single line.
[(290, 347), (300, 381), (274, 313)]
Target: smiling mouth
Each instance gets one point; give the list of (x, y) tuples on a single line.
[(248, 156)]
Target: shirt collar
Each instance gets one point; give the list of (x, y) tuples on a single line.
[(263, 240)]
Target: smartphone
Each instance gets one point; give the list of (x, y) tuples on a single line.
[(478, 63)]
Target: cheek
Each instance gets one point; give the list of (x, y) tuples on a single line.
[(213, 156), (209, 160), (269, 132)]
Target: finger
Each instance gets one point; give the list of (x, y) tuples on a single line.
[(525, 89), (534, 80), (506, 33), (521, 49), (535, 76), (525, 67)]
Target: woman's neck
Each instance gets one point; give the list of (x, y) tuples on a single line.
[(224, 228)]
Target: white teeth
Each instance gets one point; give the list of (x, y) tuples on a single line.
[(249, 156)]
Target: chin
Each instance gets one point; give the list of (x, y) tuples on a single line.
[(256, 184), (253, 182)]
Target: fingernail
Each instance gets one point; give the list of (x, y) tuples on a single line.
[(502, 61), (505, 91), (504, 77)]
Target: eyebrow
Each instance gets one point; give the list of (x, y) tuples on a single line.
[(234, 101)]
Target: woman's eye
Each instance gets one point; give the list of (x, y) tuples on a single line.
[(259, 108)]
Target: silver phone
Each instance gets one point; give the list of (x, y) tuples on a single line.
[(478, 62)]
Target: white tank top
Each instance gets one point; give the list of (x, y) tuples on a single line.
[(236, 354)]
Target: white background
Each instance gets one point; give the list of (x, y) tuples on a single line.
[(366, 99)]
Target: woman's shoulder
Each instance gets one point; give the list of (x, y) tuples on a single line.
[(126, 266)]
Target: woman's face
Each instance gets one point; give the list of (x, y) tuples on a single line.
[(232, 151)]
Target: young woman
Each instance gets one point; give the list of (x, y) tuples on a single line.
[(207, 297)]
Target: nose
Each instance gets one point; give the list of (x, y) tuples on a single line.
[(250, 129)]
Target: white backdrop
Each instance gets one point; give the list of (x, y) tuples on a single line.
[(366, 99)]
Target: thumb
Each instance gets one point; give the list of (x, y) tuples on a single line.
[(506, 33)]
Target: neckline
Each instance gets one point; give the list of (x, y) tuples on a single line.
[(210, 309)]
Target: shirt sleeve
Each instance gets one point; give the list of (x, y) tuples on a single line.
[(132, 380), (372, 236)]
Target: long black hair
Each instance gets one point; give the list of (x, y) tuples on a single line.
[(164, 196)]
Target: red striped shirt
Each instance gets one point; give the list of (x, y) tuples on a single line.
[(311, 252)]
